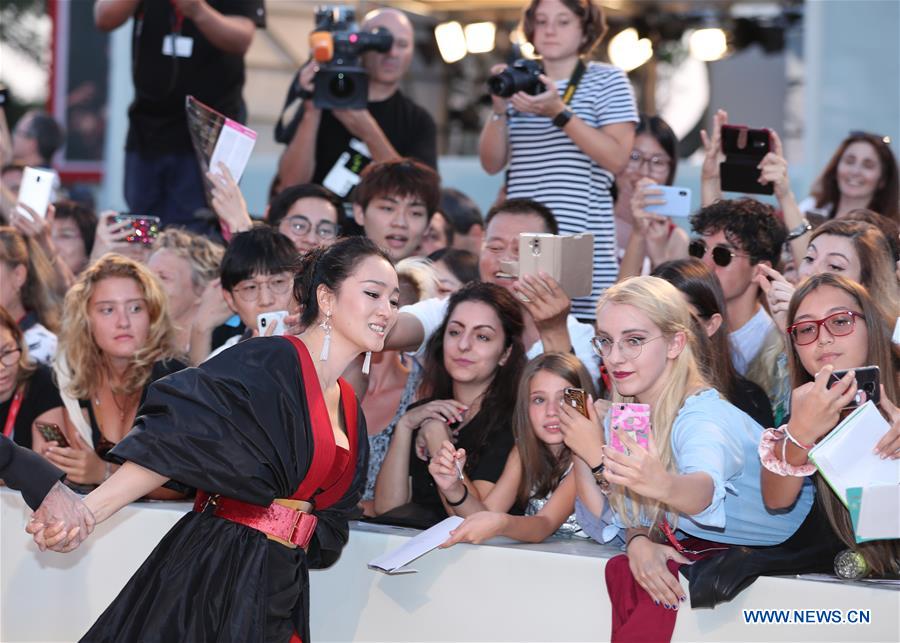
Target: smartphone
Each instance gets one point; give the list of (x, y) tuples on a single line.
[(868, 381), (36, 191), (744, 148), (678, 201), (633, 419), (52, 433), (569, 259), (577, 399), (145, 228), (264, 321)]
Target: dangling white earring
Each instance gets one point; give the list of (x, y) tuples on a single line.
[(367, 363), (326, 344)]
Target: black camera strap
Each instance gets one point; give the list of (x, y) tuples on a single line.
[(573, 82)]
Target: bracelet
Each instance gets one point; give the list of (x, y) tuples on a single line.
[(790, 437), (795, 233), (636, 536), (781, 466), (496, 116), (600, 479), (461, 500)]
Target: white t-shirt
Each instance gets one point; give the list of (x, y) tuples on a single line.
[(431, 313), (747, 340)]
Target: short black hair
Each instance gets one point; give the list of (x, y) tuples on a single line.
[(261, 250), (462, 263), (748, 224), (664, 135), (84, 217), (48, 133), (461, 211), (283, 201), (524, 207), (402, 177)]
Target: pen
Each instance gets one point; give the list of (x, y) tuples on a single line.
[(459, 472)]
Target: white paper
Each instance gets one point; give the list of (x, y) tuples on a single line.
[(233, 149), (879, 513), (394, 562), (845, 457)]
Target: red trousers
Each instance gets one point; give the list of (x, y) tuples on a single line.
[(635, 616)]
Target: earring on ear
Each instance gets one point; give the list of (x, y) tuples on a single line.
[(326, 344), (367, 363)]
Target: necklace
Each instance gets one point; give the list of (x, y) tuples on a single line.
[(122, 407)]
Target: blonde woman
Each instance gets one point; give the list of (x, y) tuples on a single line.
[(26, 291), (186, 265), (695, 488), (116, 340)]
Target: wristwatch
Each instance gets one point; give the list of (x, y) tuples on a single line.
[(804, 227), (563, 117), (600, 479)]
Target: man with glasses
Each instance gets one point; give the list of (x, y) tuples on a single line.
[(257, 276), (307, 214), (733, 238)]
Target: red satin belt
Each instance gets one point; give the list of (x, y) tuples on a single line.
[(286, 521)]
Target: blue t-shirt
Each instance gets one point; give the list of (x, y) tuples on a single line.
[(712, 436)]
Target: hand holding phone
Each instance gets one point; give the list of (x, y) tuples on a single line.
[(271, 324), (577, 399), (868, 384), (36, 191), (143, 229), (52, 433), (744, 150), (634, 419), (676, 201)]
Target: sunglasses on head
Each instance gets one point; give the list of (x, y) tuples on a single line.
[(721, 255), (884, 139)]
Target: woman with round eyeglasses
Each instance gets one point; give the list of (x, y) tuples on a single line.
[(309, 215), (834, 325), (670, 495), (28, 394), (644, 239)]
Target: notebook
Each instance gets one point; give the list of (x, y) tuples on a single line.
[(875, 512), (845, 458)]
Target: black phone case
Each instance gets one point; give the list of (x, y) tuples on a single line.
[(739, 172)]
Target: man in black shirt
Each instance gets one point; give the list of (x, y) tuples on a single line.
[(391, 127), (179, 48)]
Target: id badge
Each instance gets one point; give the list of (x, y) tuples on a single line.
[(177, 45), (344, 176)]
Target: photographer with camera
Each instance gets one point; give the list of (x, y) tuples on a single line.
[(564, 145), (179, 48), (329, 143)]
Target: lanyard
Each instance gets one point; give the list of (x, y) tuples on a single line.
[(179, 18), (13, 411), (573, 82)]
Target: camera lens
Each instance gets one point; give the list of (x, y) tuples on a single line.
[(500, 85), (342, 85)]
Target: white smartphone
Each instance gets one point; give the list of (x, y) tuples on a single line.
[(678, 201), (264, 321), (36, 191)]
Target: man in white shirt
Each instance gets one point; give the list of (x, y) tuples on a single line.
[(548, 324)]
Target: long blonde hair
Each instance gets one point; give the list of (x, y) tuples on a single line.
[(37, 293), (77, 343), (666, 307)]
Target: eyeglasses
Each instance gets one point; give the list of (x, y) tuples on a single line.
[(838, 324), (721, 255), (10, 357), (301, 226), (276, 285), (884, 139), (629, 348), (657, 163)]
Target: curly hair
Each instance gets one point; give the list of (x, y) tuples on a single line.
[(589, 13), (500, 395), (37, 293), (203, 255), (748, 224), (77, 343)]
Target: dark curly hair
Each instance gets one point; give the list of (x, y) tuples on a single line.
[(748, 225), (500, 397)]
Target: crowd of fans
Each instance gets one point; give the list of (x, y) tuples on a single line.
[(755, 309)]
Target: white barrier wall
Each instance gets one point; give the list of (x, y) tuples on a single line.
[(552, 591)]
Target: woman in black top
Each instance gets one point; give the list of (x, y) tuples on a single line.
[(472, 368), (27, 391), (707, 302)]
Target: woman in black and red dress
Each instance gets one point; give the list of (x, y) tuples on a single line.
[(277, 442)]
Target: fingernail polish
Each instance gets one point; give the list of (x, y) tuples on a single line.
[(668, 606), (656, 602)]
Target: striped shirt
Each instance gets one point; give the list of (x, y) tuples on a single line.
[(547, 166)]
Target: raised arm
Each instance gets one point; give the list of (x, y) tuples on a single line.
[(298, 161), (231, 34), (112, 14)]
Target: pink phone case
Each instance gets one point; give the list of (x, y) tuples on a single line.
[(633, 418)]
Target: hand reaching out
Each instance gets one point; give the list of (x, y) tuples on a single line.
[(227, 200), (62, 521)]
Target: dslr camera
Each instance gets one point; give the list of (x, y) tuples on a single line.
[(337, 44), (521, 76)]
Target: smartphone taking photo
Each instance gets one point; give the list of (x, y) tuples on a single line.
[(744, 149), (144, 229), (677, 201), (36, 191), (868, 384)]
